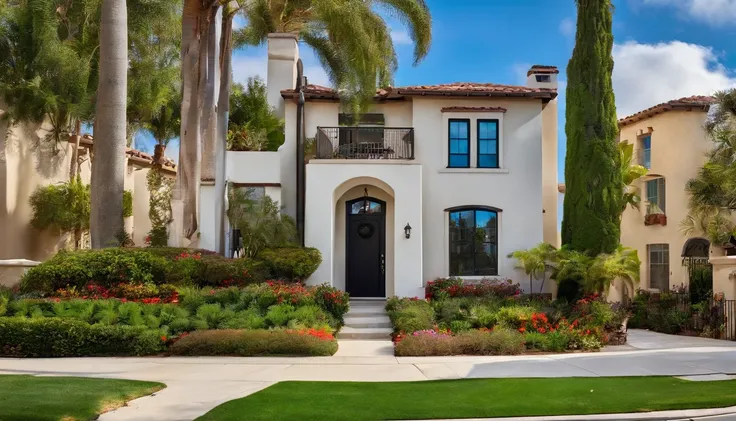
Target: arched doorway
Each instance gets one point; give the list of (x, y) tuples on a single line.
[(365, 247)]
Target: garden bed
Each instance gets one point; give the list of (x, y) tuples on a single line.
[(492, 318), (118, 302)]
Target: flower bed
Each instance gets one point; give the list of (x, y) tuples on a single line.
[(292, 308), (244, 343), (455, 287), (474, 324)]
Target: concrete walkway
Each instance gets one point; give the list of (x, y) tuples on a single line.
[(197, 384)]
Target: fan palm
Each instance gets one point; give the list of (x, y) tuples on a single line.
[(596, 274)]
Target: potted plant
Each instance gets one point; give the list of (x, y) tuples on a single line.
[(655, 215)]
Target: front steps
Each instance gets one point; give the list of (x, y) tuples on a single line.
[(366, 320)]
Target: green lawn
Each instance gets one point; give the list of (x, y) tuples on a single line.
[(474, 398), (28, 398)]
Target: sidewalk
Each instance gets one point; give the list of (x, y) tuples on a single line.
[(197, 384)]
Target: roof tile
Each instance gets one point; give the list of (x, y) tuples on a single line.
[(696, 102)]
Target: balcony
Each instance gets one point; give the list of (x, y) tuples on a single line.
[(365, 143)]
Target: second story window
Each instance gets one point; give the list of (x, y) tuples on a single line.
[(487, 143), (656, 196), (646, 152), (459, 144)]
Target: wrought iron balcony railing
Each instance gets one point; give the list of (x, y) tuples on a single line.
[(365, 143)]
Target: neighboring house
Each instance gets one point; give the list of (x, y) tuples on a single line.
[(669, 140), (434, 181), (27, 161)]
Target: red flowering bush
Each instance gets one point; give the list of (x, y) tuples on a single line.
[(145, 293), (442, 288), (321, 334), (330, 299)]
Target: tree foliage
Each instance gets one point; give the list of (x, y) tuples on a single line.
[(351, 40), (592, 208), (596, 274), (536, 261), (630, 173), (713, 190), (253, 124)]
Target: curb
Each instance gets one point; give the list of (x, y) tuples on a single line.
[(681, 415)]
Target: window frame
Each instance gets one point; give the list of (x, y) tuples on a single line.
[(661, 188), (495, 241), (664, 250), (646, 152), (450, 139), (478, 140)]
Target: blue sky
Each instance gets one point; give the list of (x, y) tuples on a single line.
[(664, 49)]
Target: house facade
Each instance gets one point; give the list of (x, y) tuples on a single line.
[(432, 181), (670, 141)]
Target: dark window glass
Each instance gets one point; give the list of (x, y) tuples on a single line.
[(659, 266), (487, 143), (473, 243), (459, 137), (656, 194), (365, 206), (646, 152)]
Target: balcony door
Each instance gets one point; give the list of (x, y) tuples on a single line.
[(366, 248)]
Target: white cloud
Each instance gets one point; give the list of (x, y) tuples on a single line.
[(567, 27), (648, 74), (715, 12), (520, 70), (400, 37)]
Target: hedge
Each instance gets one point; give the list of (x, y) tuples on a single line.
[(252, 343), (56, 337), (291, 263), (474, 342), (109, 267)]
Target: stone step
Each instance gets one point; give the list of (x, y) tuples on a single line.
[(366, 312), (362, 322), (365, 333)]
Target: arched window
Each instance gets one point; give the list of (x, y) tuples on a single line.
[(365, 205), (473, 241)]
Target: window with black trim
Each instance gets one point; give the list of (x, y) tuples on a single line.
[(487, 143), (459, 143), (473, 242)]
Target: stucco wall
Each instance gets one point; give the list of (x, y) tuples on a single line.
[(516, 188), (253, 167), (141, 204), (330, 181), (678, 150), (395, 114), (549, 172)]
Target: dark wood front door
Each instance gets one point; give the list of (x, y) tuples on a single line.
[(366, 248)]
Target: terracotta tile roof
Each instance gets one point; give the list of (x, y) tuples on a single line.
[(540, 68), (474, 110), (478, 89), (458, 89), (135, 155), (691, 103)]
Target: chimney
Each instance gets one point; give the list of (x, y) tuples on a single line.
[(283, 53), (540, 76)]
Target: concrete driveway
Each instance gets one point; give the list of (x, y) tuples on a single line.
[(197, 384)]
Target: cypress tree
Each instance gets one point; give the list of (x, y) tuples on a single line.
[(593, 181)]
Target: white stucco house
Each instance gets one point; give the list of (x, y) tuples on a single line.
[(437, 180)]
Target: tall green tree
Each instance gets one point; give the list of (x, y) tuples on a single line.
[(251, 117), (592, 208)]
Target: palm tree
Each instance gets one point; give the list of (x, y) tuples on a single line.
[(630, 173), (106, 218), (623, 264), (713, 190), (535, 261)]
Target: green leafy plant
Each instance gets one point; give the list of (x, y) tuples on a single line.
[(291, 263), (260, 222), (536, 261), (253, 124), (253, 343), (64, 207)]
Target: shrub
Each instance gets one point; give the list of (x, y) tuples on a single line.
[(56, 337), (569, 289), (412, 315), (701, 284), (460, 325), (252, 343), (332, 300), (291, 263), (105, 267), (279, 315), (474, 342), (513, 317), (536, 340), (482, 316), (442, 288)]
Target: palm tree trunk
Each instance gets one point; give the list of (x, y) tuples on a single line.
[(209, 113), (74, 163), (185, 196), (223, 110), (108, 168)]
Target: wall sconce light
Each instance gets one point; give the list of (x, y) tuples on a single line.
[(407, 230)]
